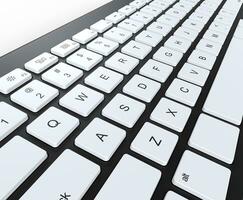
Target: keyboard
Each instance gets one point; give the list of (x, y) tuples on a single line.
[(136, 100)]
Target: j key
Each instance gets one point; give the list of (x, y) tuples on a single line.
[(10, 119), (75, 172), (186, 33), (13, 80), (21, 158)]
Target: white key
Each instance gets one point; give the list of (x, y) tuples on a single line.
[(224, 19), (186, 7), (160, 4), (193, 74), (149, 38), (136, 49), (206, 134), (186, 33), (209, 47), (171, 114), (238, 32), (118, 35), (101, 26), (65, 48), (176, 13), (183, 92), (131, 25), (215, 36), (156, 70), (115, 17), (41, 63), (168, 56), (169, 20), (173, 196), (81, 100), (104, 79), (102, 46), (202, 59), (199, 17), (127, 10), (225, 99), (151, 10), (131, 179), (124, 110), (178, 44), (138, 3), (53, 126), (10, 119), (155, 143), (78, 172), (85, 36), (19, 159), (122, 63), (159, 28), (189, 177), (142, 17), (13, 80), (240, 24), (222, 28), (34, 96), (62, 75), (142, 88), (194, 25), (84, 59), (100, 138)]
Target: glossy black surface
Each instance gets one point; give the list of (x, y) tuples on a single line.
[(45, 43)]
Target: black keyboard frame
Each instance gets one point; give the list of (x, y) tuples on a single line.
[(20, 56)]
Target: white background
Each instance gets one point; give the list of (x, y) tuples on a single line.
[(22, 21)]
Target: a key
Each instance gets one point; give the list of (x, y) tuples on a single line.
[(155, 143), (121, 63), (215, 36), (199, 176), (169, 20), (149, 38), (75, 175), (41, 63), (151, 10), (225, 97), (115, 17), (159, 28), (138, 3), (20, 159), (104, 79), (84, 59), (206, 134), (142, 17), (102, 46), (186, 33), (65, 48), (173, 196), (34, 96), (171, 114), (194, 25), (127, 179), (85, 36), (142, 88), (168, 56), (124, 110), (183, 92), (202, 59), (101, 26), (178, 44), (136, 49), (100, 138), (10, 119), (81, 100), (131, 25), (53, 126), (156, 70), (62, 75), (118, 35), (13, 80), (127, 10), (176, 13), (209, 47)]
